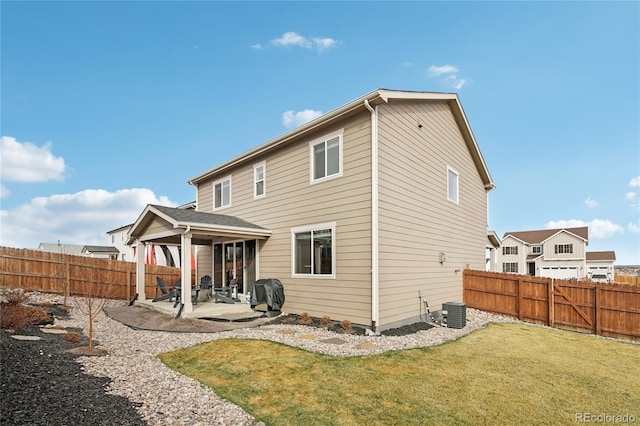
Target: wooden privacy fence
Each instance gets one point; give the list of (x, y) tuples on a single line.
[(627, 279), (604, 309), (37, 270)]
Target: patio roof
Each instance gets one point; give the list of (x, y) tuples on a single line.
[(165, 225)]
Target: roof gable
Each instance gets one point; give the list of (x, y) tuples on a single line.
[(361, 105), (542, 235)]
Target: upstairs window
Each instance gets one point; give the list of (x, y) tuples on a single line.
[(564, 248), (536, 249), (222, 193), (259, 180), (326, 157), (510, 250), (453, 178)]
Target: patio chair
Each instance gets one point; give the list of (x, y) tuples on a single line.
[(165, 293), (206, 284), (226, 294), (195, 291)]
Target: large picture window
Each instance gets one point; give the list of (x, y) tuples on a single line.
[(326, 157), (313, 249), (222, 193)]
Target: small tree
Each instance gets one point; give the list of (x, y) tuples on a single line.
[(94, 298)]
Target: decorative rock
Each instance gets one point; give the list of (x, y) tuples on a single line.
[(307, 336), (21, 337), (53, 331), (367, 346), (286, 331), (334, 341)]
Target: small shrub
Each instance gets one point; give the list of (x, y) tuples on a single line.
[(36, 315), (305, 318), (325, 321), (72, 337), (12, 317), (14, 297), (346, 327)]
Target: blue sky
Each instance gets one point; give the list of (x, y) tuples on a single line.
[(103, 103)]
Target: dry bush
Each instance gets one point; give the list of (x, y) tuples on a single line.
[(16, 317), (72, 337), (14, 297), (325, 321), (305, 318), (345, 324)]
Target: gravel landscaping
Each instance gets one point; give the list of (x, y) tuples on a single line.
[(43, 384)]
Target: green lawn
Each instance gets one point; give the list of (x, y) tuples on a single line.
[(502, 374)]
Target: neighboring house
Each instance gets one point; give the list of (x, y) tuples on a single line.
[(554, 253), (118, 238), (101, 252), (364, 213), (492, 247), (600, 266), (73, 249)]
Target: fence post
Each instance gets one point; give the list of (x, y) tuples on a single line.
[(550, 298), (596, 321), (519, 300)]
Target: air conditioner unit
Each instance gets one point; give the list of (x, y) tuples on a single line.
[(454, 314)]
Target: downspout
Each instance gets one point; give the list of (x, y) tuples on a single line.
[(375, 310)]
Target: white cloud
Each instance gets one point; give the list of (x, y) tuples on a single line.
[(80, 218), (598, 228), (635, 182), (435, 71), (633, 227), (591, 203), (631, 196), (292, 119), (293, 39), (26, 162), (450, 73), (4, 192)]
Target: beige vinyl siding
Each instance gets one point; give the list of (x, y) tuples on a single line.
[(158, 226), (417, 221), (292, 201)]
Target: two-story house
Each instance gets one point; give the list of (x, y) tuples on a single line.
[(554, 253), (364, 213)]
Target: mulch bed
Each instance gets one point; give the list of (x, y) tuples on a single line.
[(42, 384), (336, 327)]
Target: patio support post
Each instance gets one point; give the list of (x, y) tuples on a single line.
[(186, 272), (140, 270)]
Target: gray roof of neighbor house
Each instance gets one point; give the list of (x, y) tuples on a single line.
[(538, 236), (120, 229), (372, 99), (601, 255), (75, 249), (100, 249)]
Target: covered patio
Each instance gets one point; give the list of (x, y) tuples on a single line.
[(187, 228)]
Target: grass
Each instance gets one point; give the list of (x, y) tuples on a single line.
[(502, 374)]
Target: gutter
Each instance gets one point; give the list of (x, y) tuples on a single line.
[(375, 285)]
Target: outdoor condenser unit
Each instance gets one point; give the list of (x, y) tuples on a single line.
[(454, 314)]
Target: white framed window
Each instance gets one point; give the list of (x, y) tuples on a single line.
[(536, 249), (259, 180), (222, 193), (564, 248), (453, 185), (510, 267), (326, 157), (509, 250), (313, 251)]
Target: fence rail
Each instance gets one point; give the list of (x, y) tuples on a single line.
[(36, 270), (604, 309), (627, 279)]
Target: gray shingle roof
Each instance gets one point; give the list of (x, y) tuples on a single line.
[(192, 216)]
